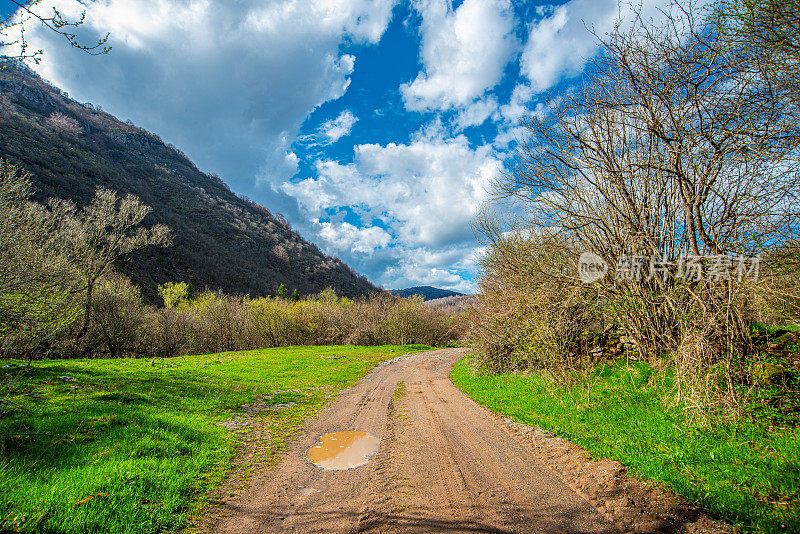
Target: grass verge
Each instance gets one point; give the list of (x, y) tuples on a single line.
[(134, 446), (747, 471)]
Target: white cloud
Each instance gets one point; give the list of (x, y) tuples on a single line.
[(345, 236), (516, 109), (561, 43), (427, 192), (429, 189), (463, 52), (229, 84), (339, 127), (409, 272), (476, 113), (519, 108)]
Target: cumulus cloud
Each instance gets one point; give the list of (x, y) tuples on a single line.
[(476, 113), (561, 43), (339, 127), (428, 190), (230, 86), (345, 236), (463, 52), (517, 106)]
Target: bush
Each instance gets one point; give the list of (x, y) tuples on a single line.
[(278, 323), (215, 322), (39, 325), (166, 333), (119, 317), (175, 294), (212, 322)]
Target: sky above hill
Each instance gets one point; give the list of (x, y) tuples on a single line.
[(375, 127)]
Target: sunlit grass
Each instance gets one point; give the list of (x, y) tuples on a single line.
[(132, 446), (746, 471)]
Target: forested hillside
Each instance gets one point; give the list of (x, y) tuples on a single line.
[(221, 241), (426, 292)]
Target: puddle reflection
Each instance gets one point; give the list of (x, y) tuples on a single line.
[(343, 450)]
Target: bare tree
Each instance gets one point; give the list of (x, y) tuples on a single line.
[(101, 233), (14, 26), (766, 35), (661, 151), (671, 146), (35, 278)]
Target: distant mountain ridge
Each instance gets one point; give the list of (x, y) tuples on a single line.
[(426, 292), (221, 241)]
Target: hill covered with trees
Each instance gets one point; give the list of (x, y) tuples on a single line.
[(426, 292), (221, 241)]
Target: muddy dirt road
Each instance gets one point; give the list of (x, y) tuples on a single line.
[(444, 464)]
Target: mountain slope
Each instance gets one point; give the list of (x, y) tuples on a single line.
[(426, 292), (221, 241)]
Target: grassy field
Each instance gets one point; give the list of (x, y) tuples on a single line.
[(129, 446), (747, 472)]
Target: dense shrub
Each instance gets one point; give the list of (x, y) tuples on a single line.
[(214, 322), (173, 294), (119, 317)]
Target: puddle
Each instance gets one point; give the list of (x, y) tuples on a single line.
[(343, 450)]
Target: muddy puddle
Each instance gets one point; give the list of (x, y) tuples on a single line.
[(343, 450)]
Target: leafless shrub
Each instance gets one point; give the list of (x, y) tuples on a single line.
[(529, 309), (278, 323), (119, 317), (218, 323), (670, 150), (167, 332), (215, 322)]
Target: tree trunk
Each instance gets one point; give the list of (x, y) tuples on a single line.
[(87, 312)]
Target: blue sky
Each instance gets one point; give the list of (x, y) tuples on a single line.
[(375, 127)]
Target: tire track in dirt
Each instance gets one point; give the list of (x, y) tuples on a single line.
[(444, 464)]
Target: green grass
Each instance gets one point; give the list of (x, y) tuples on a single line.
[(132, 446), (747, 472)]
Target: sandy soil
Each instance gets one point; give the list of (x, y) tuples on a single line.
[(444, 464)]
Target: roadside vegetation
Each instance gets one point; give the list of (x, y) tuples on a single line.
[(674, 167), (642, 294), (135, 445), (111, 406), (61, 294), (746, 470)]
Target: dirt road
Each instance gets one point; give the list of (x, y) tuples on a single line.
[(444, 464)]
